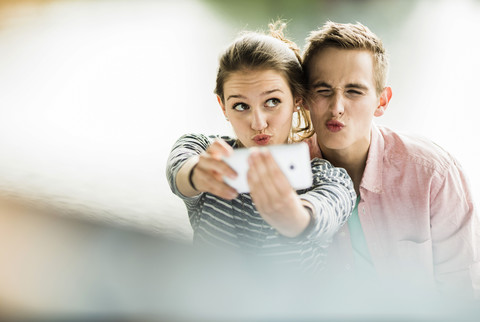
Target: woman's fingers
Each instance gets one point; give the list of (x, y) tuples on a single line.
[(217, 151), (268, 185), (219, 148), (258, 181), (206, 178), (209, 172), (216, 168), (265, 173), (279, 182), (274, 198)]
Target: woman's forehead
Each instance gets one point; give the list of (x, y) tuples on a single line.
[(255, 79)]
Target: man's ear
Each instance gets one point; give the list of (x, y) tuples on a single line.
[(385, 97), (222, 106)]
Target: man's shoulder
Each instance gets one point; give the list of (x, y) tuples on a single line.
[(411, 148)]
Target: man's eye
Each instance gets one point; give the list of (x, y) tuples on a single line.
[(240, 107), (324, 92), (272, 102), (354, 92)]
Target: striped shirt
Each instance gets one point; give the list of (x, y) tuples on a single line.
[(237, 224)]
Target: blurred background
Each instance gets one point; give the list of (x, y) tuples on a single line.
[(93, 93)]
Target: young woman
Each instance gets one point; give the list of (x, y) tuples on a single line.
[(259, 88)]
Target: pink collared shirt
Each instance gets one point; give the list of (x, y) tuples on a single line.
[(417, 214)]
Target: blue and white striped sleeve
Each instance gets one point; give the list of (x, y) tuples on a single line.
[(185, 147), (333, 198)]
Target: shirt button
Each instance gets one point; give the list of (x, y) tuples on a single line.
[(342, 234), (348, 267)]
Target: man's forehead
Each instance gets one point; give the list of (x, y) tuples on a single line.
[(339, 67), (333, 58)]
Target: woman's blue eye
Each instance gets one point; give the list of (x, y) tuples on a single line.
[(240, 107), (272, 102)]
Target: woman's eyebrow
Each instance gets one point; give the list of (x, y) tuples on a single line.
[(236, 96), (261, 94), (271, 91)]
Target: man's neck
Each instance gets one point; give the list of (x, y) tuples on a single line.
[(353, 160)]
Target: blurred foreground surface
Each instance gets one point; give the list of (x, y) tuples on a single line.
[(60, 267)]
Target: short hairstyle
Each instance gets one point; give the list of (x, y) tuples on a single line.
[(258, 51), (348, 36)]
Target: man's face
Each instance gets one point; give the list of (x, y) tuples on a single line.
[(343, 100)]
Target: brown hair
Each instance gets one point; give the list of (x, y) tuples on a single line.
[(348, 36), (258, 51)]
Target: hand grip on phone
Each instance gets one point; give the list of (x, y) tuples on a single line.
[(292, 159)]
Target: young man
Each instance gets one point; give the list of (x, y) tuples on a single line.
[(414, 213)]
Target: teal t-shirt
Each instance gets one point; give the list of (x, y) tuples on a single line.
[(363, 260)]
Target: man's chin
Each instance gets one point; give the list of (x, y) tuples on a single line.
[(333, 142)]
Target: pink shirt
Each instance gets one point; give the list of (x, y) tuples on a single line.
[(416, 212)]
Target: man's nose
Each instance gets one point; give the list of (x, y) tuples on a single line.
[(337, 106)]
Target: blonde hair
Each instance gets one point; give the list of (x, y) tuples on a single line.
[(349, 36), (259, 51)]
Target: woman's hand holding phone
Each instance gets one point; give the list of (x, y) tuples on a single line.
[(208, 172), (275, 199)]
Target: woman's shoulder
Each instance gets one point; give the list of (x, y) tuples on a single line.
[(322, 163), (322, 167), (230, 140)]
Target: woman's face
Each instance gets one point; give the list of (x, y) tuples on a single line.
[(260, 107)]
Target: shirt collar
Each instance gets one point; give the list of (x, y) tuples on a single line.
[(373, 174), (372, 179)]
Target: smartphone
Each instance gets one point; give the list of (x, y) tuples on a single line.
[(293, 160)]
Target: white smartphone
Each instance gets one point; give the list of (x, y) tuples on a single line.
[(293, 160)]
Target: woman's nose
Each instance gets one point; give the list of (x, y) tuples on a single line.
[(259, 120)]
